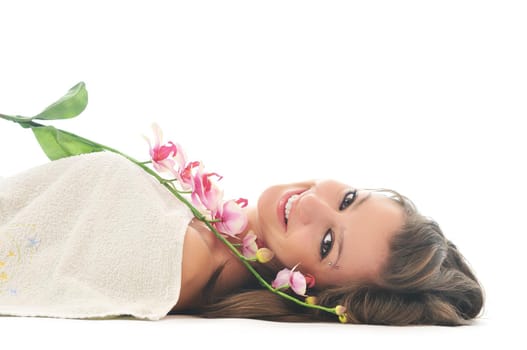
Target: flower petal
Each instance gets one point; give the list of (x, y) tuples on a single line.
[(233, 219), (165, 165), (164, 151), (249, 246), (206, 192), (310, 280), (180, 157), (297, 281), (147, 140), (158, 134), (185, 176), (242, 202), (282, 279)]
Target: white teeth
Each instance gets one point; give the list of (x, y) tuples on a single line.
[(289, 204)]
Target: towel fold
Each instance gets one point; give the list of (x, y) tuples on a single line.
[(89, 236)]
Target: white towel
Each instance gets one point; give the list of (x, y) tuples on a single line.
[(89, 236)]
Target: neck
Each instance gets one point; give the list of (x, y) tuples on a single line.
[(270, 268)]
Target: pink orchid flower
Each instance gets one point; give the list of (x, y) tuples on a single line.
[(295, 280), (160, 154), (249, 246), (185, 176), (205, 192), (183, 171), (232, 219)]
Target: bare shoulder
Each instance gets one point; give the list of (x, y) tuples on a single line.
[(199, 263), (203, 254)]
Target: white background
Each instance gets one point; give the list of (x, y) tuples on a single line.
[(424, 97)]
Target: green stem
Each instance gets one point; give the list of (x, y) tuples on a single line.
[(13, 119)]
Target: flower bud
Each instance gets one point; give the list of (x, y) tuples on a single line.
[(312, 300), (340, 310), (264, 255), (343, 318)]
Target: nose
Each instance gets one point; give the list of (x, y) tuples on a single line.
[(310, 208)]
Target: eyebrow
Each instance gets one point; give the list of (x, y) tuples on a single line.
[(361, 201), (341, 238)]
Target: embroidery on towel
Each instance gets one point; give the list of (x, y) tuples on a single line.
[(18, 243)]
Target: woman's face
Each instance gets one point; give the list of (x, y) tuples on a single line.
[(335, 233)]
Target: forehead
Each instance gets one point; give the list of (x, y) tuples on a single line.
[(331, 183)]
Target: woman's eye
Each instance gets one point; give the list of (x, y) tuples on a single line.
[(326, 244), (349, 197)]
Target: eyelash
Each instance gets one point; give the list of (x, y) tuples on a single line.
[(326, 245), (324, 248), (346, 202)]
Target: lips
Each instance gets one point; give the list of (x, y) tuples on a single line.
[(281, 205)]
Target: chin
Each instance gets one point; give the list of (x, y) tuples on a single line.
[(266, 207), (266, 204)]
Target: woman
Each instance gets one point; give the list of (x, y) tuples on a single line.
[(87, 233), (372, 253)]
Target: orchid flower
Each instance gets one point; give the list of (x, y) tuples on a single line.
[(160, 154), (185, 177), (205, 192), (249, 246), (295, 280), (232, 219), (184, 169)]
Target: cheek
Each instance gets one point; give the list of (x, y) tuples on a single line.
[(289, 257), (297, 247)]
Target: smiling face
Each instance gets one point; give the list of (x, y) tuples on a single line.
[(336, 232)]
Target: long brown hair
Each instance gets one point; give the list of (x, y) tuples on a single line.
[(425, 280)]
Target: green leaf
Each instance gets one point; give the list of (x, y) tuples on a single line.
[(60, 144), (69, 106)]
